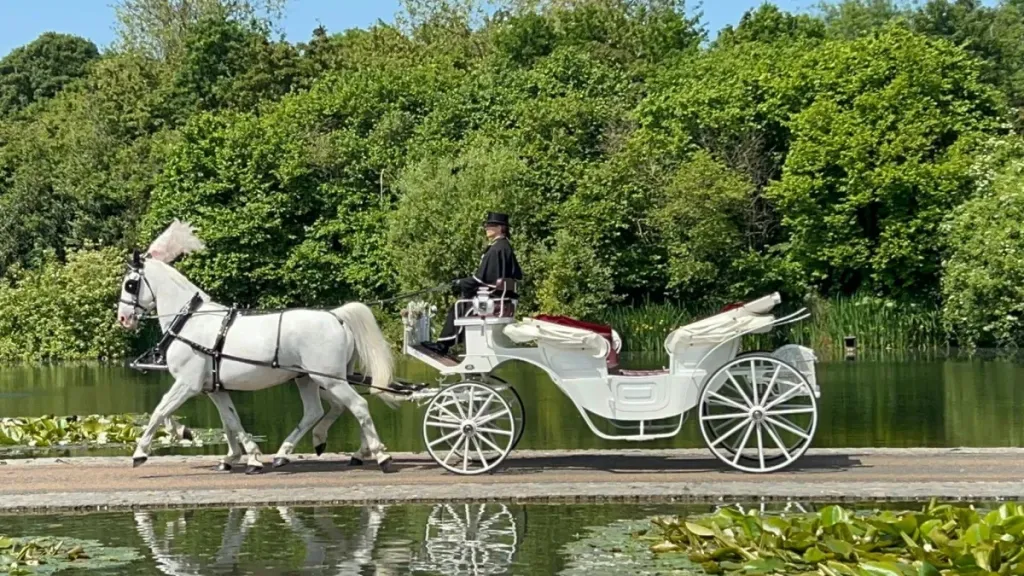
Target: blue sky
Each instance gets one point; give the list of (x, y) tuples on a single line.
[(21, 21)]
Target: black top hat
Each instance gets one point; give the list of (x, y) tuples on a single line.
[(496, 218)]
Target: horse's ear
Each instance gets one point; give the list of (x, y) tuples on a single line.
[(136, 258)]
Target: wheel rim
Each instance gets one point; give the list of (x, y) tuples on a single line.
[(469, 428), (515, 402), (758, 414)]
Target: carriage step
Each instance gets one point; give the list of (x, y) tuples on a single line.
[(446, 360)]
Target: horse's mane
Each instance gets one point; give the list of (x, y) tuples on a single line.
[(179, 279), (178, 239)]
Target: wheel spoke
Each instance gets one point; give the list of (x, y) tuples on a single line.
[(771, 383), (487, 403), (753, 382), (492, 444), (787, 411), (779, 443), (455, 447), (445, 425), (729, 416), (738, 388), (449, 413), (479, 452), (727, 401), (492, 416), (742, 444), (469, 403), (495, 431), (788, 426), (460, 408), (731, 431), (783, 397), (444, 438), (760, 446)]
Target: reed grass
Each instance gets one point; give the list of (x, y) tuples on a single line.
[(877, 324)]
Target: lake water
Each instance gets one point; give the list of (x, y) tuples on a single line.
[(932, 400), (447, 539)]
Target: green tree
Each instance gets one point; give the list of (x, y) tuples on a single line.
[(63, 311), (879, 157), (435, 230), (983, 281), (42, 68)]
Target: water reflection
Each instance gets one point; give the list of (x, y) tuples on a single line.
[(463, 539), (458, 539)]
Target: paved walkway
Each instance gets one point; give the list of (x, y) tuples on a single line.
[(527, 476)]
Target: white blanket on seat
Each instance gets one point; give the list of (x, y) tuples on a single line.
[(753, 317), (557, 336)]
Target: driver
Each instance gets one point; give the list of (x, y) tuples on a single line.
[(497, 265)]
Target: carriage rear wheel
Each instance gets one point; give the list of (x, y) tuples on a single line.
[(469, 428), (758, 413), (718, 427)]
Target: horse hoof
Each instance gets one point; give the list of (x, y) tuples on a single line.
[(186, 434), (353, 461), (253, 470), (139, 461), (279, 462), (386, 466), (320, 448), (223, 467)]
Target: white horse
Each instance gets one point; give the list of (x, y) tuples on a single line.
[(321, 342)]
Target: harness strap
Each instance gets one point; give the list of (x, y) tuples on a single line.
[(218, 346), (277, 346)]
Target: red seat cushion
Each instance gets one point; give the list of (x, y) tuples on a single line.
[(606, 331)]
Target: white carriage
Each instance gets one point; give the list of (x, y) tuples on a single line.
[(757, 411)]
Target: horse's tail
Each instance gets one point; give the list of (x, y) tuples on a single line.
[(372, 348)]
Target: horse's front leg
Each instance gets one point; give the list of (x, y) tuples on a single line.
[(233, 426), (312, 412), (185, 386)]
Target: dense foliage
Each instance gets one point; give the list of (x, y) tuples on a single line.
[(835, 152)]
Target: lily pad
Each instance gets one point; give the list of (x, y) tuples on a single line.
[(44, 555)]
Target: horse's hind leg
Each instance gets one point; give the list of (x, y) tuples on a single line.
[(233, 425), (325, 423), (312, 412), (357, 405)]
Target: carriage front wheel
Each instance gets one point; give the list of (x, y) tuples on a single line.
[(757, 413), (469, 428)]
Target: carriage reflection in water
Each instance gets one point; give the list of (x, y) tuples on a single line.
[(757, 411), (475, 539)]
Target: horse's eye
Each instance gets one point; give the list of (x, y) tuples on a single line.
[(131, 286)]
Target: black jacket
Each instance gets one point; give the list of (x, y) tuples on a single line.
[(498, 262)]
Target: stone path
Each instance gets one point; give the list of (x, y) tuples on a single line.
[(528, 476)]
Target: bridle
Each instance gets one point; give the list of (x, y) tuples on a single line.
[(132, 285)]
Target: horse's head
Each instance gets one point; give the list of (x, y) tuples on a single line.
[(137, 296)]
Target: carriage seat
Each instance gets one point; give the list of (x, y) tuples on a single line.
[(750, 318), (563, 331)]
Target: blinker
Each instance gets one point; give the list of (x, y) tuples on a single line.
[(132, 287)]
